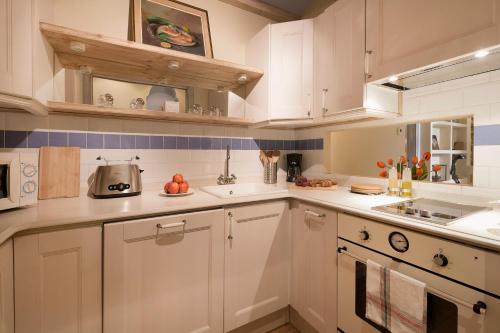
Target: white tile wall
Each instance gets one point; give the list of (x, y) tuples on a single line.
[(159, 164)]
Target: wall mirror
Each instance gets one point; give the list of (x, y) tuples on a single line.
[(90, 89), (449, 142)]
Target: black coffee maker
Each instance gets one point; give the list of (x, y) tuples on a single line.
[(293, 166)]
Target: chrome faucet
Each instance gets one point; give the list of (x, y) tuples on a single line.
[(225, 178)]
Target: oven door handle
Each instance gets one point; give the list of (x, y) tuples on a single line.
[(479, 307)]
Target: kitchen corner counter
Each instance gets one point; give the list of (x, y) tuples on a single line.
[(84, 210), (481, 229)]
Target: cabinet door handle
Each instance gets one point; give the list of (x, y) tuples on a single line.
[(323, 101), (230, 233), (309, 105), (312, 213), (368, 55), (160, 226)]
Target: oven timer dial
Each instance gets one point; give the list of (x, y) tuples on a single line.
[(29, 170), (399, 242)]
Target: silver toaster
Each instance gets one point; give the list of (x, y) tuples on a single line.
[(116, 180)]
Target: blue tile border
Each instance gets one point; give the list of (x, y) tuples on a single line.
[(57, 139), (112, 141), (156, 142), (77, 140), (95, 141), (38, 139), (488, 135), (16, 139), (90, 140)]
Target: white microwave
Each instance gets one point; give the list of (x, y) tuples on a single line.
[(18, 179)]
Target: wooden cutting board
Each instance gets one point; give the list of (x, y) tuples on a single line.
[(59, 174), (310, 188), (367, 189)]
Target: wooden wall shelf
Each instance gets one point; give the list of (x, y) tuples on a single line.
[(131, 61), (110, 112)]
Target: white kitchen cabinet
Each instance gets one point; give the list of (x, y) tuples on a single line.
[(6, 288), (405, 35), (165, 274), (339, 57), (26, 61), (340, 92), (16, 45), (314, 267), (58, 281), (257, 262), (284, 51)]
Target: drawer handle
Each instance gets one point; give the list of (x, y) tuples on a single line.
[(312, 213), (160, 226)]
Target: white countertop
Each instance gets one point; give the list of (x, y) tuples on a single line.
[(482, 228)]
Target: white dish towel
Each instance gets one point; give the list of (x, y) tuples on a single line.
[(395, 301)]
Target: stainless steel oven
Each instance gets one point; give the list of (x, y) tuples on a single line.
[(463, 282)]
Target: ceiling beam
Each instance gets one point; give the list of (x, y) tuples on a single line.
[(263, 9)]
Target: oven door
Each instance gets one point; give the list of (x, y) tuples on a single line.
[(444, 314), (9, 180)]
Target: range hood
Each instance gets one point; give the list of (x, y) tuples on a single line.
[(472, 64)]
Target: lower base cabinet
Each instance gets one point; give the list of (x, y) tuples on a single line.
[(165, 274), (314, 265), (58, 281), (257, 262), (6, 287)]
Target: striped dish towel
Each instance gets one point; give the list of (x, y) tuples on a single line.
[(395, 301)]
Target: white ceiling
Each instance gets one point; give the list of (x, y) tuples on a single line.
[(297, 7)]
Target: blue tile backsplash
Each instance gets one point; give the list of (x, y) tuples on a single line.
[(488, 135), (16, 139), (57, 139), (112, 141), (36, 139)]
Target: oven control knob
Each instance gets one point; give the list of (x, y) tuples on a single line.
[(440, 260), (29, 187), (364, 235), (29, 170)]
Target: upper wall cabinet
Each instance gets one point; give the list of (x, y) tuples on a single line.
[(25, 62), (405, 35), (339, 57), (15, 43), (285, 52), (340, 92)]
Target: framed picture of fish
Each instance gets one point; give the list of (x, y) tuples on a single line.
[(172, 25)]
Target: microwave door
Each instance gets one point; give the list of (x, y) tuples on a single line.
[(9, 184), (4, 181)]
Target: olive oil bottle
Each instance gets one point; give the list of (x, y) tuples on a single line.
[(406, 186)]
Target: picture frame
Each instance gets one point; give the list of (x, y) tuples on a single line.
[(435, 142), (172, 25)]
